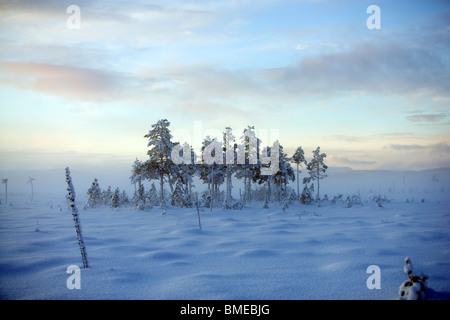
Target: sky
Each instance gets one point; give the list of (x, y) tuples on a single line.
[(308, 72)]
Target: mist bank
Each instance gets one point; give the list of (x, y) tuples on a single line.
[(433, 184)]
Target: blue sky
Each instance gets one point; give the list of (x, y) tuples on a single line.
[(311, 69)]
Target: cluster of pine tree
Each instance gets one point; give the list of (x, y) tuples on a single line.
[(98, 197), (176, 180)]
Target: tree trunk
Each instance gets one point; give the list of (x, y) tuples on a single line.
[(212, 186), (245, 190), (270, 188), (318, 185), (249, 190), (229, 187), (298, 187), (161, 186), (169, 179)]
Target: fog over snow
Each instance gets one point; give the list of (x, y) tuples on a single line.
[(81, 85)]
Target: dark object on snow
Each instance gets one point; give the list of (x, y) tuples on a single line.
[(414, 288), (76, 219)]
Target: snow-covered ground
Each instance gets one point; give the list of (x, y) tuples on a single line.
[(303, 253)]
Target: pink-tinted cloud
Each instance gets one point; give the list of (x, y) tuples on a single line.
[(66, 81)]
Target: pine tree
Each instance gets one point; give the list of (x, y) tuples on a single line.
[(152, 195), (115, 199), (285, 173), (248, 166), (124, 201), (305, 197), (160, 148), (139, 200), (317, 168), (298, 158), (179, 195), (94, 195), (182, 174), (138, 172), (260, 178), (106, 196)]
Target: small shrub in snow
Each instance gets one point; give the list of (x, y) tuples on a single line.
[(336, 198), (285, 206), (292, 196), (353, 200), (206, 199), (238, 205), (379, 201), (414, 288), (349, 202)]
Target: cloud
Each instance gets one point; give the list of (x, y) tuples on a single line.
[(400, 147), (382, 68), (426, 117), (344, 160), (350, 139), (301, 47), (66, 81), (436, 148), (397, 135)]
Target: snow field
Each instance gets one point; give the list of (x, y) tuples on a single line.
[(254, 253)]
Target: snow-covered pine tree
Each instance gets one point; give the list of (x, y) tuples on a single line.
[(179, 195), (76, 218), (138, 172), (248, 167), (115, 198), (160, 148), (94, 195), (106, 196), (124, 201), (139, 201), (316, 168), (266, 179), (182, 175), (306, 195), (152, 195), (298, 158), (284, 174)]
